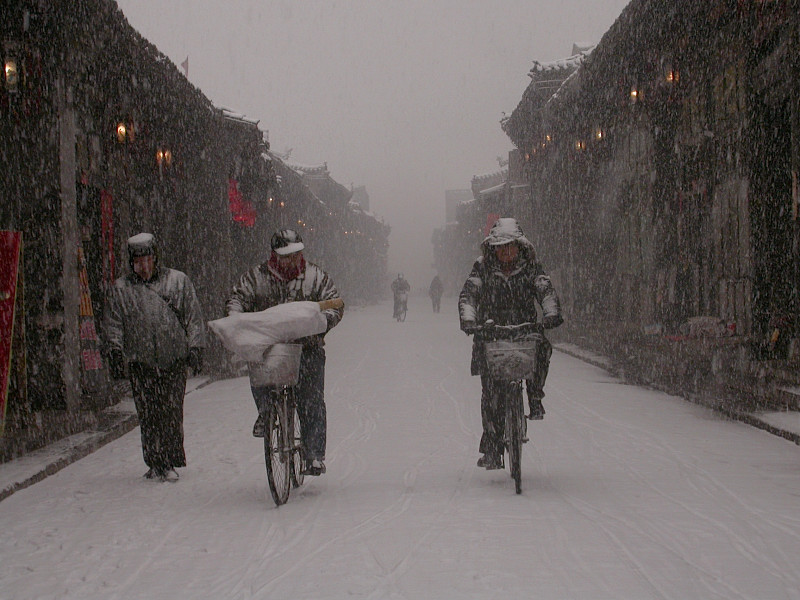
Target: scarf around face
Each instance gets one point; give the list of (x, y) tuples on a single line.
[(286, 273)]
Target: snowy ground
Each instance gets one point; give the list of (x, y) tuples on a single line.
[(628, 494)]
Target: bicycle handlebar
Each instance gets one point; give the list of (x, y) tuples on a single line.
[(491, 331)]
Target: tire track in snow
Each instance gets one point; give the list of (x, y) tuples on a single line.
[(392, 573), (665, 538), (707, 484), (389, 573), (296, 535)]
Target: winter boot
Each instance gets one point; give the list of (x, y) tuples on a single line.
[(537, 409), (259, 427), (314, 467), (170, 475), (490, 462)]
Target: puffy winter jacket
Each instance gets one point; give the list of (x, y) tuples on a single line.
[(259, 289), (154, 322), (507, 299)]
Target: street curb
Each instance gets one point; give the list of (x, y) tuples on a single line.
[(751, 419), (95, 441), (34, 467)]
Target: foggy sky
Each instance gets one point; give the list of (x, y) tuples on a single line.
[(404, 97)]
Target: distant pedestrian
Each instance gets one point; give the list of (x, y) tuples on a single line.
[(154, 323), (435, 291)]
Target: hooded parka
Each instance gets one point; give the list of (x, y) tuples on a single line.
[(506, 298)]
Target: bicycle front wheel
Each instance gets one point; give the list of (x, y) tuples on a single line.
[(276, 451), (515, 430)]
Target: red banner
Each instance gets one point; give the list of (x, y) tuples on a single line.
[(10, 250), (242, 210)]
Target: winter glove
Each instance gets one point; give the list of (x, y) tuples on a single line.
[(552, 321), (196, 360), (468, 327), (116, 364)]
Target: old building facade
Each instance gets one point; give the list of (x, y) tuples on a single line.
[(101, 137), (662, 170)]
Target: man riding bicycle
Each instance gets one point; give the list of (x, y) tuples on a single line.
[(400, 289), (287, 277), (504, 286)]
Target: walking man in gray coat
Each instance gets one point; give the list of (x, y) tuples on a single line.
[(155, 325)]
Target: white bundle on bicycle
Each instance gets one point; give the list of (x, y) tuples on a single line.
[(248, 335)]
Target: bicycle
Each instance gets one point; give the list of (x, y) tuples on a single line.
[(511, 358), (402, 306), (283, 446)]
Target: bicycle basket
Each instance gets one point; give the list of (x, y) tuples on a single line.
[(512, 359), (281, 366)]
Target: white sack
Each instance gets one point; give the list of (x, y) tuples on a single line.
[(249, 334)]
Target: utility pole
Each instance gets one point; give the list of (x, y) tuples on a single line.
[(69, 227)]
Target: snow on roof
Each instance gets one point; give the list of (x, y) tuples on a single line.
[(502, 173), (571, 80), (309, 169), (235, 116), (564, 64), (493, 189)]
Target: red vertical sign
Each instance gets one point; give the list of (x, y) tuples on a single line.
[(10, 249)]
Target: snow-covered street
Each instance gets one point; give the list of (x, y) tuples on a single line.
[(627, 494)]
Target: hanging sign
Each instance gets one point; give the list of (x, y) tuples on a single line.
[(10, 251)]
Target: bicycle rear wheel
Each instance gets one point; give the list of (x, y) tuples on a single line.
[(296, 441), (276, 451), (514, 433)]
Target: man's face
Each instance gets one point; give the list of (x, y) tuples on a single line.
[(144, 266), (507, 253)]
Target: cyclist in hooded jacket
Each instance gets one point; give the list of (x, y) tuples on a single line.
[(505, 285)]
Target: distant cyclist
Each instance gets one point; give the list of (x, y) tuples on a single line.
[(505, 285), (400, 289)]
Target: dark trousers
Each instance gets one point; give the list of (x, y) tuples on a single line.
[(493, 393), (310, 394), (437, 303), (158, 396), (493, 414), (535, 386)]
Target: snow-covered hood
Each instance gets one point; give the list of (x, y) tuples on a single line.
[(504, 231)]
